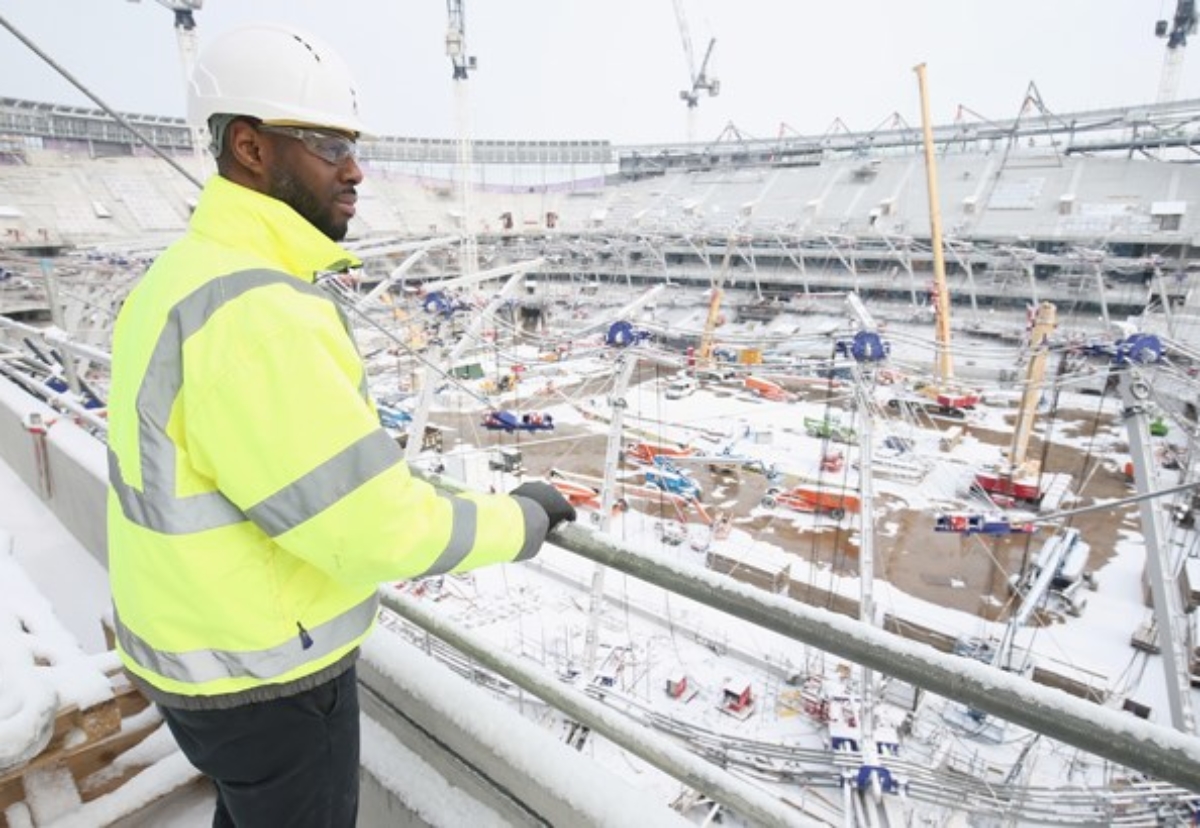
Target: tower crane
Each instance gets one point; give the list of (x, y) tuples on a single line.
[(185, 7), (456, 50), (185, 29), (185, 38), (1176, 32), (699, 79), (456, 41), (183, 12)]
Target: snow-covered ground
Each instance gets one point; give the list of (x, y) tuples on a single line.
[(648, 638), (540, 610)]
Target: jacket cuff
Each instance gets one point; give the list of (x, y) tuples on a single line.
[(537, 524)]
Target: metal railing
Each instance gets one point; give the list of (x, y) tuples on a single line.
[(1115, 735)]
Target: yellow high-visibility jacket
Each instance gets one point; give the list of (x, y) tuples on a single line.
[(254, 500)]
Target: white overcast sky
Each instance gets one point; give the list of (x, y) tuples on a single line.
[(570, 69)]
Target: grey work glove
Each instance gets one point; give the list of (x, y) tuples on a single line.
[(556, 507)]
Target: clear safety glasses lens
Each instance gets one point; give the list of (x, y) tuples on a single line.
[(327, 146)]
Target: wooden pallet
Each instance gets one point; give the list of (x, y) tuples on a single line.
[(85, 744)]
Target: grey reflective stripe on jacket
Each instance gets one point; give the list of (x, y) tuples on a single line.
[(536, 524), (200, 666), (326, 484), (462, 537), (156, 506)]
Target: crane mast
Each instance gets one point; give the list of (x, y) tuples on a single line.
[(1176, 32), (456, 50), (185, 38), (456, 40)]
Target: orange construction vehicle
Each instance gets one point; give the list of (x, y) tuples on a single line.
[(644, 453), (833, 502), (766, 389)]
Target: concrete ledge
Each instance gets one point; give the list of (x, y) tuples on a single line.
[(493, 758), (65, 465)]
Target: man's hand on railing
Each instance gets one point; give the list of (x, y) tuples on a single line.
[(558, 509)]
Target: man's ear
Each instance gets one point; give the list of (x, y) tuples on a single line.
[(247, 148)]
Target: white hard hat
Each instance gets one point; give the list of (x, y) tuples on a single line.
[(274, 73)]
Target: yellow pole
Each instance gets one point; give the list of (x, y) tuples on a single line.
[(945, 365), (1043, 325)]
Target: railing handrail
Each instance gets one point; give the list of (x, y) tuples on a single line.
[(1143, 746)]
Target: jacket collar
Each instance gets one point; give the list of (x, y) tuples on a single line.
[(266, 227)]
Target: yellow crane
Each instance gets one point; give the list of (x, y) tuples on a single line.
[(1018, 477), (950, 396), (708, 338)]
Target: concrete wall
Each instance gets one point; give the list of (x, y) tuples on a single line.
[(65, 465)]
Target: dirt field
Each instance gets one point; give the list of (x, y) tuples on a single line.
[(965, 573)]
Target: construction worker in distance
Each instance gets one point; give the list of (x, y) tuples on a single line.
[(255, 502)]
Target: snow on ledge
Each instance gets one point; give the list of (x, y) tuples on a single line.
[(530, 750)]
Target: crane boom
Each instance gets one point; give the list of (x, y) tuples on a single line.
[(698, 79), (681, 19), (945, 364), (704, 354), (1043, 325)]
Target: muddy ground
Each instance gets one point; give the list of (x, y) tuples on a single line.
[(965, 573)]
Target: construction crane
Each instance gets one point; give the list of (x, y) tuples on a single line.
[(185, 29), (708, 337), (183, 12), (1018, 477), (456, 50), (1176, 32), (116, 116), (949, 395), (699, 79), (456, 41), (185, 37)]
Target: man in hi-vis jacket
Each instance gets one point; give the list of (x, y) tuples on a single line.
[(254, 500)]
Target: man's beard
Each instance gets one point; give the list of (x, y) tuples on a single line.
[(288, 189)]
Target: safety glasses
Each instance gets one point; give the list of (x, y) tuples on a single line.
[(328, 146)]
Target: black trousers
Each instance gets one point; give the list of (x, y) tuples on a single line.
[(289, 762)]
